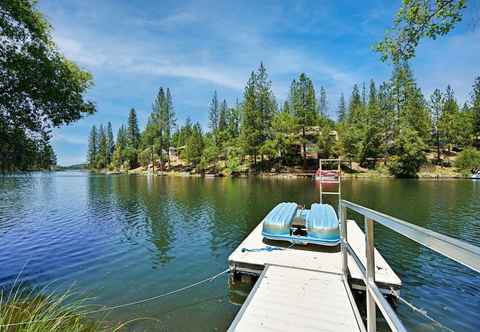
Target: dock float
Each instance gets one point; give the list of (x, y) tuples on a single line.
[(244, 261)]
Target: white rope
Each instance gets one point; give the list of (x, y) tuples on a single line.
[(420, 311), (124, 304)]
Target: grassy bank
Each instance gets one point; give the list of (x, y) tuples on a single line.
[(23, 310)]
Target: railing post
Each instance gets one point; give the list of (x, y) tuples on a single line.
[(370, 254), (343, 228)]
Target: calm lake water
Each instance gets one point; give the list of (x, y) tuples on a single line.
[(123, 238)]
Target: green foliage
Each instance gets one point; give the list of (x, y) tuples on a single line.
[(101, 159), (159, 129), (213, 114), (303, 105), (284, 128), (326, 143), (435, 107), (133, 139), (475, 102), (468, 159), (409, 154), (194, 145), (92, 148), (258, 109), (46, 312), (390, 122), (209, 154), (250, 132), (419, 19), (323, 103), (40, 88), (110, 143), (342, 111), (133, 133), (180, 137)]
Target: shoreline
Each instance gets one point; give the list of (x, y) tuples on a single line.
[(371, 174)]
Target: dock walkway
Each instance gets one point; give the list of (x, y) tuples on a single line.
[(291, 299)]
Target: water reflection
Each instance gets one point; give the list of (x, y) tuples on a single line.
[(121, 238)]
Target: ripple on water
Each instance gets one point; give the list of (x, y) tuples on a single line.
[(124, 238)]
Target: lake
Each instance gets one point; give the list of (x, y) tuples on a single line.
[(123, 238)]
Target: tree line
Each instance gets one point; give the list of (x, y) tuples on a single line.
[(392, 122)]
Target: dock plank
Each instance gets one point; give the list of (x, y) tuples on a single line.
[(291, 299), (316, 258)]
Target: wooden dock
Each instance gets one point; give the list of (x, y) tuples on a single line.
[(291, 299), (316, 258), (301, 287)]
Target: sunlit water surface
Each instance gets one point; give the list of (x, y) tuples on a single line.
[(123, 238)]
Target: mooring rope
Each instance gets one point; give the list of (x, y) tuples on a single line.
[(420, 311), (267, 248), (211, 278)]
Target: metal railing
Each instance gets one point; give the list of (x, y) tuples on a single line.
[(460, 251)]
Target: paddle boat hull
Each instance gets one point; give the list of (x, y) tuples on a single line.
[(286, 222)]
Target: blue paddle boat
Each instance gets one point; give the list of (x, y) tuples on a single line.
[(289, 222)]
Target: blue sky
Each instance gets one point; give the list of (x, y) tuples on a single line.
[(195, 47)]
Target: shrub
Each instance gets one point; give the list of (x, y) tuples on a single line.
[(409, 154), (468, 159)]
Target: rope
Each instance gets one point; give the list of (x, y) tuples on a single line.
[(267, 248), (211, 278), (420, 311)]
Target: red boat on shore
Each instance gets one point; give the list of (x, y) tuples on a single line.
[(327, 175)]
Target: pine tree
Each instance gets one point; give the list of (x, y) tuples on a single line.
[(386, 119), (364, 95), (436, 107), (169, 116), (133, 139), (355, 107), (222, 117), (194, 145), (133, 133), (410, 105), (118, 156), (475, 104), (371, 145), (213, 113), (110, 143), (322, 103), (265, 103), (303, 102), (250, 132), (92, 148), (161, 124), (449, 123), (102, 152), (233, 121), (342, 112)]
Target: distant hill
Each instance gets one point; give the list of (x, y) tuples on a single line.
[(72, 167)]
